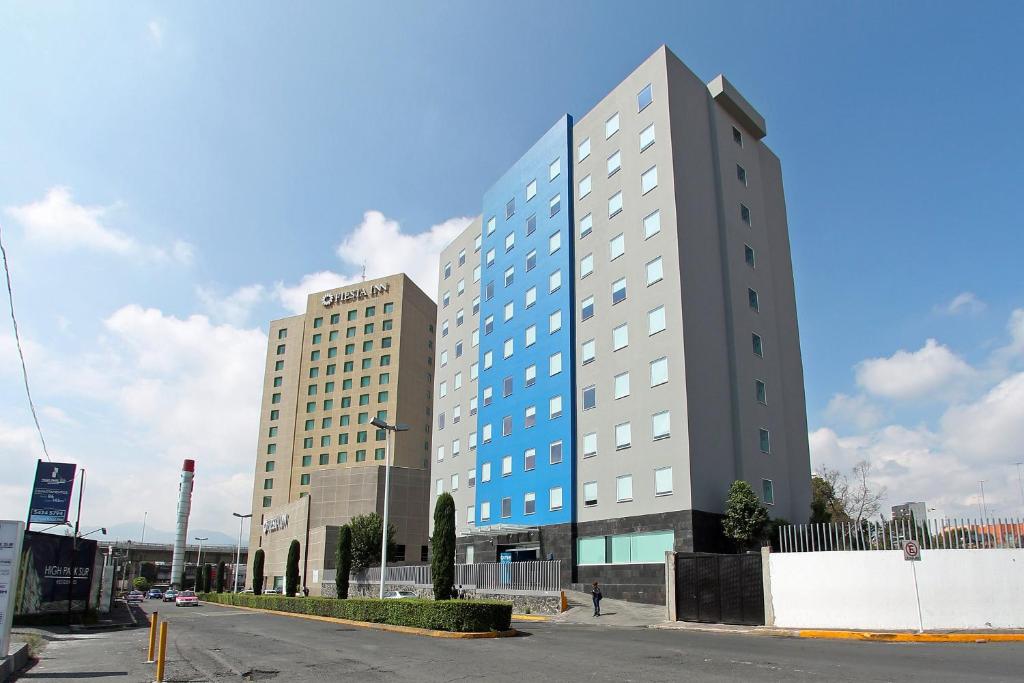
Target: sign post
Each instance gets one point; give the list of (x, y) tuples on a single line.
[(912, 554), (51, 493), (11, 533)]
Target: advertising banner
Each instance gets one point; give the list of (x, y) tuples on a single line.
[(47, 573), (51, 493), (11, 533)]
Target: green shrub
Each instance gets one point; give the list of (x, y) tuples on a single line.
[(343, 561), (257, 572), (463, 616), (291, 570)]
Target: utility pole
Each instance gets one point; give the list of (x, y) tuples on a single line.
[(74, 545), (199, 560), (984, 508), (145, 516), (381, 424), (238, 551)]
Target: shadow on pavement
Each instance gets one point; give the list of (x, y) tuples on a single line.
[(64, 676)]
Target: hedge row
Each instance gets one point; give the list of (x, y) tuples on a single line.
[(463, 616)]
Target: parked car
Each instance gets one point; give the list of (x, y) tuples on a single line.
[(272, 591), (186, 599), (399, 595), (170, 595), (154, 593), (134, 596)]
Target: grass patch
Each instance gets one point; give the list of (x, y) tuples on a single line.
[(460, 616)]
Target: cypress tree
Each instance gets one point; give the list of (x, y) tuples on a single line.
[(207, 580), (442, 564), (257, 573), (221, 571), (291, 572), (343, 561)]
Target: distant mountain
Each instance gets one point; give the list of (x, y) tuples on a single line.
[(132, 531)]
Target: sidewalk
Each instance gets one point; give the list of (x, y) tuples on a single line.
[(613, 612)]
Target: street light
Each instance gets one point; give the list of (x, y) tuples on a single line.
[(238, 553), (199, 560), (102, 528), (381, 424)]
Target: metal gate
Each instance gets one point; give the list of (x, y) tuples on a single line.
[(719, 589)]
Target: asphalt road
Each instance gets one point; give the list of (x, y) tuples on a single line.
[(212, 643)]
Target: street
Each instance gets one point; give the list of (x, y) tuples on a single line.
[(213, 643)]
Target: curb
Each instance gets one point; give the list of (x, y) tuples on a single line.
[(11, 665), (408, 630), (891, 637), (531, 617)]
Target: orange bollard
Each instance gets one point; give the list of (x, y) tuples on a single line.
[(152, 637), (163, 653)]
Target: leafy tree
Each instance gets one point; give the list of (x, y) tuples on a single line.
[(257, 572), (847, 499), (291, 570), (366, 533), (745, 515), (140, 583), (221, 573), (343, 561), (442, 564), (771, 530), (822, 498)]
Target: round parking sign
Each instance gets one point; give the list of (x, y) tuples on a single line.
[(911, 550)]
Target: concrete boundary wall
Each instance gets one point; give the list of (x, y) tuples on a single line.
[(956, 589)]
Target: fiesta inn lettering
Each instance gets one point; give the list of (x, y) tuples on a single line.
[(275, 523), (329, 300)]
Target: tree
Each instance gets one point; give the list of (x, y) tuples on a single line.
[(257, 572), (291, 570), (207, 577), (343, 561), (745, 515), (442, 564), (221, 572), (822, 497), (366, 533), (843, 500), (140, 583), (771, 530)]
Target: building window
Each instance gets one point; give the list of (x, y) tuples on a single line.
[(312, 373), (485, 472), (510, 242), (488, 359), (531, 335), (325, 458), (661, 427), (756, 341), (304, 480), (488, 395), (655, 271), (752, 299), (531, 297), (555, 205), (531, 189), (611, 126), (616, 246), (317, 338), (554, 242), (614, 204), (618, 291), (531, 260), (663, 481), (586, 265), (439, 487), (269, 466), (649, 180), (278, 365), (584, 187), (624, 488), (280, 349), (485, 511), (659, 371), (491, 225), (555, 452), (586, 225), (555, 498), (587, 351), (656, 320), (760, 392), (589, 497), (589, 397), (748, 255), (741, 174), (471, 478), (621, 384), (647, 137), (764, 440), (506, 465), (506, 425), (506, 507), (623, 435), (737, 137), (351, 315), (508, 348), (455, 482), (488, 324), (530, 375), (510, 275), (529, 459), (274, 414), (530, 418), (767, 492), (554, 281), (614, 163), (554, 169), (554, 364), (554, 407), (590, 444), (318, 322), (489, 258), (555, 321), (745, 214), (644, 97), (529, 503), (282, 334), (652, 224), (266, 501), (487, 433)]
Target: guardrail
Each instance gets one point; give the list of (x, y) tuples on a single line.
[(541, 576), (933, 534)]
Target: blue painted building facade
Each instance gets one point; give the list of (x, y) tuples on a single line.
[(526, 387)]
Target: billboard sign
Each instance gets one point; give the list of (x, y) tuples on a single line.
[(47, 566), (51, 493), (11, 533)]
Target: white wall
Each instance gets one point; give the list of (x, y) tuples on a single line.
[(874, 590)]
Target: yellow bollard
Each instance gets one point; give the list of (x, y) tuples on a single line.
[(152, 637), (565, 603), (163, 653)]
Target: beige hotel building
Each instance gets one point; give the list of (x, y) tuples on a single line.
[(359, 352)]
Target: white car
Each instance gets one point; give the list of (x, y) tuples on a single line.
[(399, 595)]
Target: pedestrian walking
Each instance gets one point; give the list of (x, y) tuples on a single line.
[(595, 592)]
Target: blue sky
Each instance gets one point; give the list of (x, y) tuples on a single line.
[(173, 175)]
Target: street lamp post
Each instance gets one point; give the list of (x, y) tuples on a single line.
[(238, 551), (381, 424), (199, 560)]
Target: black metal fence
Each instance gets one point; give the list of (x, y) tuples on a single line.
[(723, 589)]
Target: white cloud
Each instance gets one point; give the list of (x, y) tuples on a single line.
[(384, 248), (931, 370), (156, 32), (183, 252), (233, 308), (990, 428), (856, 411), (965, 303)]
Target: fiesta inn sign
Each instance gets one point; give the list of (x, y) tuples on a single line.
[(329, 300), (275, 523)]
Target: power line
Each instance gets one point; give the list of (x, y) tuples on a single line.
[(17, 341)]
